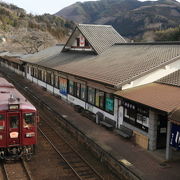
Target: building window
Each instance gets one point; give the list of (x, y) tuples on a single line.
[(83, 92), (97, 98), (56, 81), (63, 86), (39, 74), (109, 104), (28, 69), (86, 43), (32, 71), (48, 77), (44, 75), (100, 99), (136, 115), (142, 117), (52, 79), (78, 90), (35, 73), (78, 42), (91, 95), (71, 87), (130, 113)]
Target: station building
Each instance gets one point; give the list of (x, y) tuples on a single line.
[(99, 71)]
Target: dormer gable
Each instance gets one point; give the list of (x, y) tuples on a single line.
[(94, 38), (78, 42)]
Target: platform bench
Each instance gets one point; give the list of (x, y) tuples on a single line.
[(108, 123), (124, 132)]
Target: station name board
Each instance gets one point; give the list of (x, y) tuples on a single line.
[(175, 136)]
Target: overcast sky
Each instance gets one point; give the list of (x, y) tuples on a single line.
[(43, 6)]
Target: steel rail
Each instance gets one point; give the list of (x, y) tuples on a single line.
[(24, 167), (54, 147), (77, 153), (28, 174), (6, 177)]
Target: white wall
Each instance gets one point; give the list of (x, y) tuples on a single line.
[(41, 83), (76, 101), (49, 88), (154, 76)]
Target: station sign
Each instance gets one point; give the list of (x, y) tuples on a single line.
[(175, 136), (13, 106)]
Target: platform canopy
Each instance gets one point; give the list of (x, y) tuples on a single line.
[(174, 116)]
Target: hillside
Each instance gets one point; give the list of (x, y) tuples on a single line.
[(171, 34), (15, 20), (131, 18)]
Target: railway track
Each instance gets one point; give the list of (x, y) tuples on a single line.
[(58, 117), (15, 171), (81, 168)]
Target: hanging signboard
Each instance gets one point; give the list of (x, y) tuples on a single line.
[(82, 41), (175, 136)]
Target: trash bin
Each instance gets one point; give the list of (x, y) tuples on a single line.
[(99, 117)]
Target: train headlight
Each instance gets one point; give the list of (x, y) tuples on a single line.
[(31, 134)]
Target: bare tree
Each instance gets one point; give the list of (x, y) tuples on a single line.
[(32, 41)]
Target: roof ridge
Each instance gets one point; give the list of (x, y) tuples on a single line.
[(96, 25), (151, 43)]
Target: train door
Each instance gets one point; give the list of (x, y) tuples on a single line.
[(2, 129), (29, 128), (13, 129)]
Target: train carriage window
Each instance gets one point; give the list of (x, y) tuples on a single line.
[(2, 123), (14, 121), (2, 116), (29, 119)]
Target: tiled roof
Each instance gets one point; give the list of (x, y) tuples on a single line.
[(13, 59), (44, 54), (171, 79), (100, 37), (123, 63), (65, 58), (36, 57), (119, 65), (158, 96)]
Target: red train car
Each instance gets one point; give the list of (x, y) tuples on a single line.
[(18, 123)]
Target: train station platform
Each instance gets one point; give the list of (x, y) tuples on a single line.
[(148, 165)]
